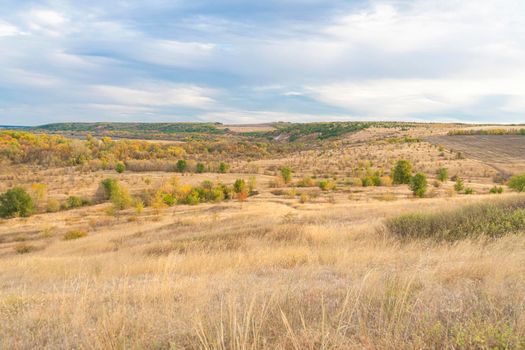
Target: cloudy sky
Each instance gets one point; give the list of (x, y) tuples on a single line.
[(237, 61)]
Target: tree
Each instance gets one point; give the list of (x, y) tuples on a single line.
[(223, 167), (442, 174), (458, 186), (120, 167), (517, 183), (181, 166), (402, 173), (286, 174), (15, 202), (418, 184), (200, 168), (239, 185)]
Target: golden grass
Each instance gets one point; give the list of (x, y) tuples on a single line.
[(274, 272), (263, 277)]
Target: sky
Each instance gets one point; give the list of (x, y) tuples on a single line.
[(235, 61)]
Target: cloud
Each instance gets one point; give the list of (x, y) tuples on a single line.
[(238, 61), (156, 95)]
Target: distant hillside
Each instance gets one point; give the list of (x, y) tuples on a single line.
[(163, 128)]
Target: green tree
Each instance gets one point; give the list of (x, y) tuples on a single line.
[(200, 168), (15, 202), (459, 186), (120, 167), (239, 186), (181, 165), (517, 183), (286, 174), (402, 173), (223, 167), (442, 174), (418, 184)]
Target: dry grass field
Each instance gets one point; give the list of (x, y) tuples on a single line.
[(289, 267)]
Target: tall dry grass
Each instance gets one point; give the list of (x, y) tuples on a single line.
[(263, 275)]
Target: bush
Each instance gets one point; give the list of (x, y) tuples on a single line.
[(108, 186), (492, 219), (517, 183), (418, 184), (442, 174), (286, 174), (121, 198), (53, 206), (75, 234), (469, 190), (239, 186), (223, 167), (402, 173), (200, 168), (120, 167), (459, 186), (326, 185), (181, 165), (496, 190), (15, 202), (74, 202)]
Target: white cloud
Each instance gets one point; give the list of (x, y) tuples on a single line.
[(7, 29), (156, 95)]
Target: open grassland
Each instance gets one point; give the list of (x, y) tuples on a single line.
[(323, 260)]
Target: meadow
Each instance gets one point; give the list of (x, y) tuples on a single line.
[(269, 237)]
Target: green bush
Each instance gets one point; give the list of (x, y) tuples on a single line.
[(517, 183), (442, 174), (286, 174), (418, 184), (108, 186), (16, 202), (326, 185), (402, 173), (223, 167), (239, 186), (469, 190), (459, 186), (181, 165), (120, 167), (488, 219), (200, 168), (496, 190), (74, 202)]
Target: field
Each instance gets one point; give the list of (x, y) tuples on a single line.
[(305, 263), (503, 152)]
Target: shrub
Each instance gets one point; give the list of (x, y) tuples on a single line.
[(120, 167), (418, 184), (442, 174), (223, 167), (286, 174), (326, 185), (108, 186), (402, 172), (459, 186), (239, 186), (489, 219), (16, 202), (193, 197), (469, 190), (181, 165), (169, 199), (120, 197), (53, 206), (307, 181), (74, 202), (496, 190), (74, 234), (199, 168), (517, 183)]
